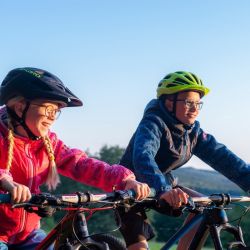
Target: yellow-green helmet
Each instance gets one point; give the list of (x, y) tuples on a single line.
[(180, 81)]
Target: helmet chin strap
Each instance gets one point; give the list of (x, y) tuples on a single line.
[(21, 121), (174, 104)]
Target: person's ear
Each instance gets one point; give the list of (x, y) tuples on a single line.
[(19, 108), (169, 105)]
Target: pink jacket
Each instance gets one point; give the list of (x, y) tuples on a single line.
[(30, 168)]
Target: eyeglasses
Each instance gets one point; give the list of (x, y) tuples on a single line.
[(50, 112), (191, 104)]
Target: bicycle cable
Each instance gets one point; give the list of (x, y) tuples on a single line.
[(117, 218)]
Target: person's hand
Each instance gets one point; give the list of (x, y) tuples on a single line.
[(142, 190), (19, 193), (175, 197)]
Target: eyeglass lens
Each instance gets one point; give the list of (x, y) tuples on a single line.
[(51, 112), (191, 104)]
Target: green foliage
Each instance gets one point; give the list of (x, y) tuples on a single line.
[(48, 223), (164, 225), (111, 155), (156, 245)]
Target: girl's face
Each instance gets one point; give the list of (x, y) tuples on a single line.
[(40, 116), (188, 105)]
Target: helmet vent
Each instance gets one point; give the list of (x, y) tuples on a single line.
[(60, 86), (180, 81), (199, 81), (189, 78), (167, 76), (171, 85), (195, 77)]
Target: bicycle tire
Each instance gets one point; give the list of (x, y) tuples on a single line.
[(113, 242)]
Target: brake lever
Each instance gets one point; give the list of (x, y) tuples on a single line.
[(125, 195), (36, 201), (190, 205), (25, 204)]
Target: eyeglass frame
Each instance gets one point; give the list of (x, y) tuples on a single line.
[(190, 104), (57, 112)]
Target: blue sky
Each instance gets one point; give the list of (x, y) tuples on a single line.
[(112, 54)]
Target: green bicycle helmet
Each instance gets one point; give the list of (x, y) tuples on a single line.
[(181, 81)]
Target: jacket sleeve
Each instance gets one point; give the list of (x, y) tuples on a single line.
[(146, 145), (220, 158), (76, 165)]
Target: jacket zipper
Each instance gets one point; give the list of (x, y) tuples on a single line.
[(183, 159)]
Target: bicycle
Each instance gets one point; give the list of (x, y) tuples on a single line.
[(210, 214), (72, 231)]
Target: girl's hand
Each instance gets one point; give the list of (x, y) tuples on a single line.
[(142, 189), (175, 197), (19, 193)]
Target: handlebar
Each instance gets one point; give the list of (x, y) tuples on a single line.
[(115, 197), (5, 198), (75, 200), (220, 199)]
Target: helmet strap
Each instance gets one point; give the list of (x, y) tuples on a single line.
[(21, 121), (174, 104), (173, 99)]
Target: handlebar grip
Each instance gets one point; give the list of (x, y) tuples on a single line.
[(164, 208), (5, 198), (152, 193)]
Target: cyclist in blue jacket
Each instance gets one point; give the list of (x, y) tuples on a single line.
[(167, 137)]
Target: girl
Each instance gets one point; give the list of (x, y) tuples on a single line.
[(31, 155)]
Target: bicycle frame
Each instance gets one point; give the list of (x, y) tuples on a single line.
[(62, 234), (211, 221), (182, 231)]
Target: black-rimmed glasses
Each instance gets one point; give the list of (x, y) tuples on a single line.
[(50, 112)]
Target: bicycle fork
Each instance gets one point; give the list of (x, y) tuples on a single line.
[(235, 231), (214, 222)]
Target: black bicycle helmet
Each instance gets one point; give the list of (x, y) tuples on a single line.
[(33, 83)]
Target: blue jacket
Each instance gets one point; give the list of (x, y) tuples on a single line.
[(161, 144)]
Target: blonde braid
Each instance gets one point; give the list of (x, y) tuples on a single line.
[(10, 146), (53, 177), (10, 104)]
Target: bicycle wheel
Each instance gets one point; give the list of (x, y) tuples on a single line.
[(113, 242)]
